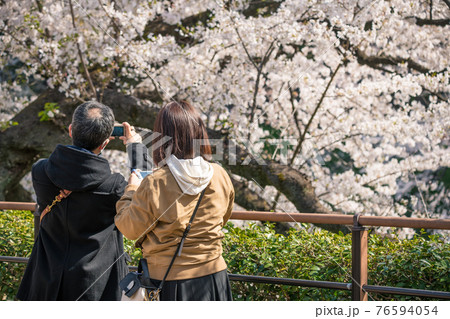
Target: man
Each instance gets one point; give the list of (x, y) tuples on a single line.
[(78, 254)]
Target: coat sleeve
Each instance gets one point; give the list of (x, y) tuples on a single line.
[(138, 157), (230, 201), (134, 211), (119, 185), (40, 183), (229, 208)]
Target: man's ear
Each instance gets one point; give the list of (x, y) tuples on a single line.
[(70, 130), (102, 147)]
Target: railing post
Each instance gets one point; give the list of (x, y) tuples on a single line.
[(359, 260)]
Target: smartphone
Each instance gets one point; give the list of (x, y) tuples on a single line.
[(118, 130), (141, 174), (145, 173)]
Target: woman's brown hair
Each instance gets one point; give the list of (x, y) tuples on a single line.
[(183, 125)]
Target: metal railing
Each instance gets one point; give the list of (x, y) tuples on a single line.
[(359, 285)]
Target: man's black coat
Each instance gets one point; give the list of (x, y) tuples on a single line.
[(78, 254)]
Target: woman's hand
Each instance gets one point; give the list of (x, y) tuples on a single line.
[(134, 179), (130, 135)]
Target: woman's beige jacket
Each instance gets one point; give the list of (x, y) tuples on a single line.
[(159, 211)]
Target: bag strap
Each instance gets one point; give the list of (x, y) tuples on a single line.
[(143, 268), (62, 194), (180, 245), (145, 280)]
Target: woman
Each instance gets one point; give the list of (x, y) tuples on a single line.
[(156, 210)]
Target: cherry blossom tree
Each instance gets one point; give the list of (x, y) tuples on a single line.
[(346, 102)]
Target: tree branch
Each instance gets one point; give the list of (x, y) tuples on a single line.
[(431, 9), (333, 142), (39, 5), (436, 22), (245, 47), (293, 184), (80, 54), (247, 198), (258, 7), (374, 61), (259, 67), (297, 124), (305, 130), (160, 27), (258, 78), (295, 112), (447, 2), (113, 21), (303, 135), (38, 60)]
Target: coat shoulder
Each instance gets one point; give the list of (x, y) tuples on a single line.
[(38, 169), (221, 173), (115, 184)]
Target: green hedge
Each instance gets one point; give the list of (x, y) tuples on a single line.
[(422, 262), (16, 239)]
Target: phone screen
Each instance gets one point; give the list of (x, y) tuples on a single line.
[(145, 173), (118, 131), (141, 174)]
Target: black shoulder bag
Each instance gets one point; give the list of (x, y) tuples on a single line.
[(137, 286)]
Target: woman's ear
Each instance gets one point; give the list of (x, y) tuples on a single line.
[(70, 130)]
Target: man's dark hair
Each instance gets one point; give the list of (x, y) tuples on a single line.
[(92, 124)]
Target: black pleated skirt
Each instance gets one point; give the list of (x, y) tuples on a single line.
[(214, 287)]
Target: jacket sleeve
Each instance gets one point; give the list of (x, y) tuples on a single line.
[(134, 213), (119, 185), (230, 206), (138, 157), (40, 184)]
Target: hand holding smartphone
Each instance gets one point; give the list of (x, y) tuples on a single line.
[(141, 174), (126, 133)]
